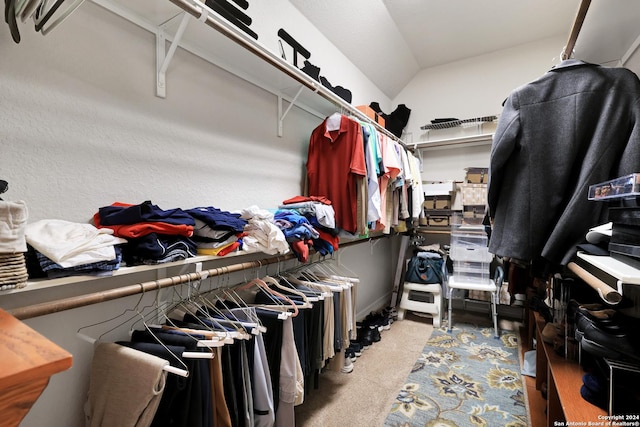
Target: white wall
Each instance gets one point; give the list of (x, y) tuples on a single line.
[(270, 16), (474, 87), (81, 127)]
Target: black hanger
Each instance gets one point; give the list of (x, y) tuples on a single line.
[(10, 18), (4, 186), (41, 21)]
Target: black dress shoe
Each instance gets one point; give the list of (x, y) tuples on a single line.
[(605, 319), (311, 70), (613, 342)]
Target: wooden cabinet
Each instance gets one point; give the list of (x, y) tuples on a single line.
[(563, 378), (28, 361)]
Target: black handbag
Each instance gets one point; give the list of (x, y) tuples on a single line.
[(424, 270)]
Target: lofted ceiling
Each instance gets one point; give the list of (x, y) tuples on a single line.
[(392, 40)]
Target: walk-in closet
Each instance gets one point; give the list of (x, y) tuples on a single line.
[(319, 213)]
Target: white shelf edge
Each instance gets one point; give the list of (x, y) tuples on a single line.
[(260, 52), (459, 142), (622, 271)]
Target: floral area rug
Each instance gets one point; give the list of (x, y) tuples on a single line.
[(463, 378)]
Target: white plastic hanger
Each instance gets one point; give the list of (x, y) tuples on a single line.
[(290, 289), (276, 297), (93, 341), (334, 121)]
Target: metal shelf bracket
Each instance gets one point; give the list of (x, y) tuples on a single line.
[(283, 114), (163, 58)]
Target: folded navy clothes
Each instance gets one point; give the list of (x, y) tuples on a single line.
[(322, 247), (218, 219), (144, 212), (100, 268), (158, 248)]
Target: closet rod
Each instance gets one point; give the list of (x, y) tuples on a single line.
[(575, 29), (56, 306), (276, 61), (606, 292), (35, 310)]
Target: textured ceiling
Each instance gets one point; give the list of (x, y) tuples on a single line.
[(391, 40)]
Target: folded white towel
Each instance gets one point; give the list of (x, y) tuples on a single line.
[(70, 244), (13, 220)]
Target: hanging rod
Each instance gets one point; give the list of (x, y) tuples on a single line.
[(42, 309), (606, 292), (203, 13), (575, 29), (35, 310)]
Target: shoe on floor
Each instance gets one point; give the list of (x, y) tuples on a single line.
[(363, 339), (356, 347), (348, 366)]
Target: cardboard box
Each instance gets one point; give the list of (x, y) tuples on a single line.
[(368, 111), (474, 194), (477, 175), (473, 214), (436, 202), (440, 219)]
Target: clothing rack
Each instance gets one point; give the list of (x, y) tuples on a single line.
[(51, 307), (575, 29), (210, 17)]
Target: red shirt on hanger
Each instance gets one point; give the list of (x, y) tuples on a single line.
[(335, 160)]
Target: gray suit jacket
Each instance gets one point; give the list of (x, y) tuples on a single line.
[(577, 125)]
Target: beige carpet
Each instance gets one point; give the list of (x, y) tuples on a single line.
[(364, 396)]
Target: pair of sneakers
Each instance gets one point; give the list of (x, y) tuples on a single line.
[(381, 320), (349, 359), (351, 354), (366, 335), (347, 368)]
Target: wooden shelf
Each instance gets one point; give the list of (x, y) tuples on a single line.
[(564, 379), (28, 361)]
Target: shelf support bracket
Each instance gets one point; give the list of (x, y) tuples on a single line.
[(163, 58), (281, 114)]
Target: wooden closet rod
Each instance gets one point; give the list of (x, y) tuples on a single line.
[(575, 29), (56, 306), (35, 310), (606, 292)]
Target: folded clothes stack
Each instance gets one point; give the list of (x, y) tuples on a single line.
[(13, 220)]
